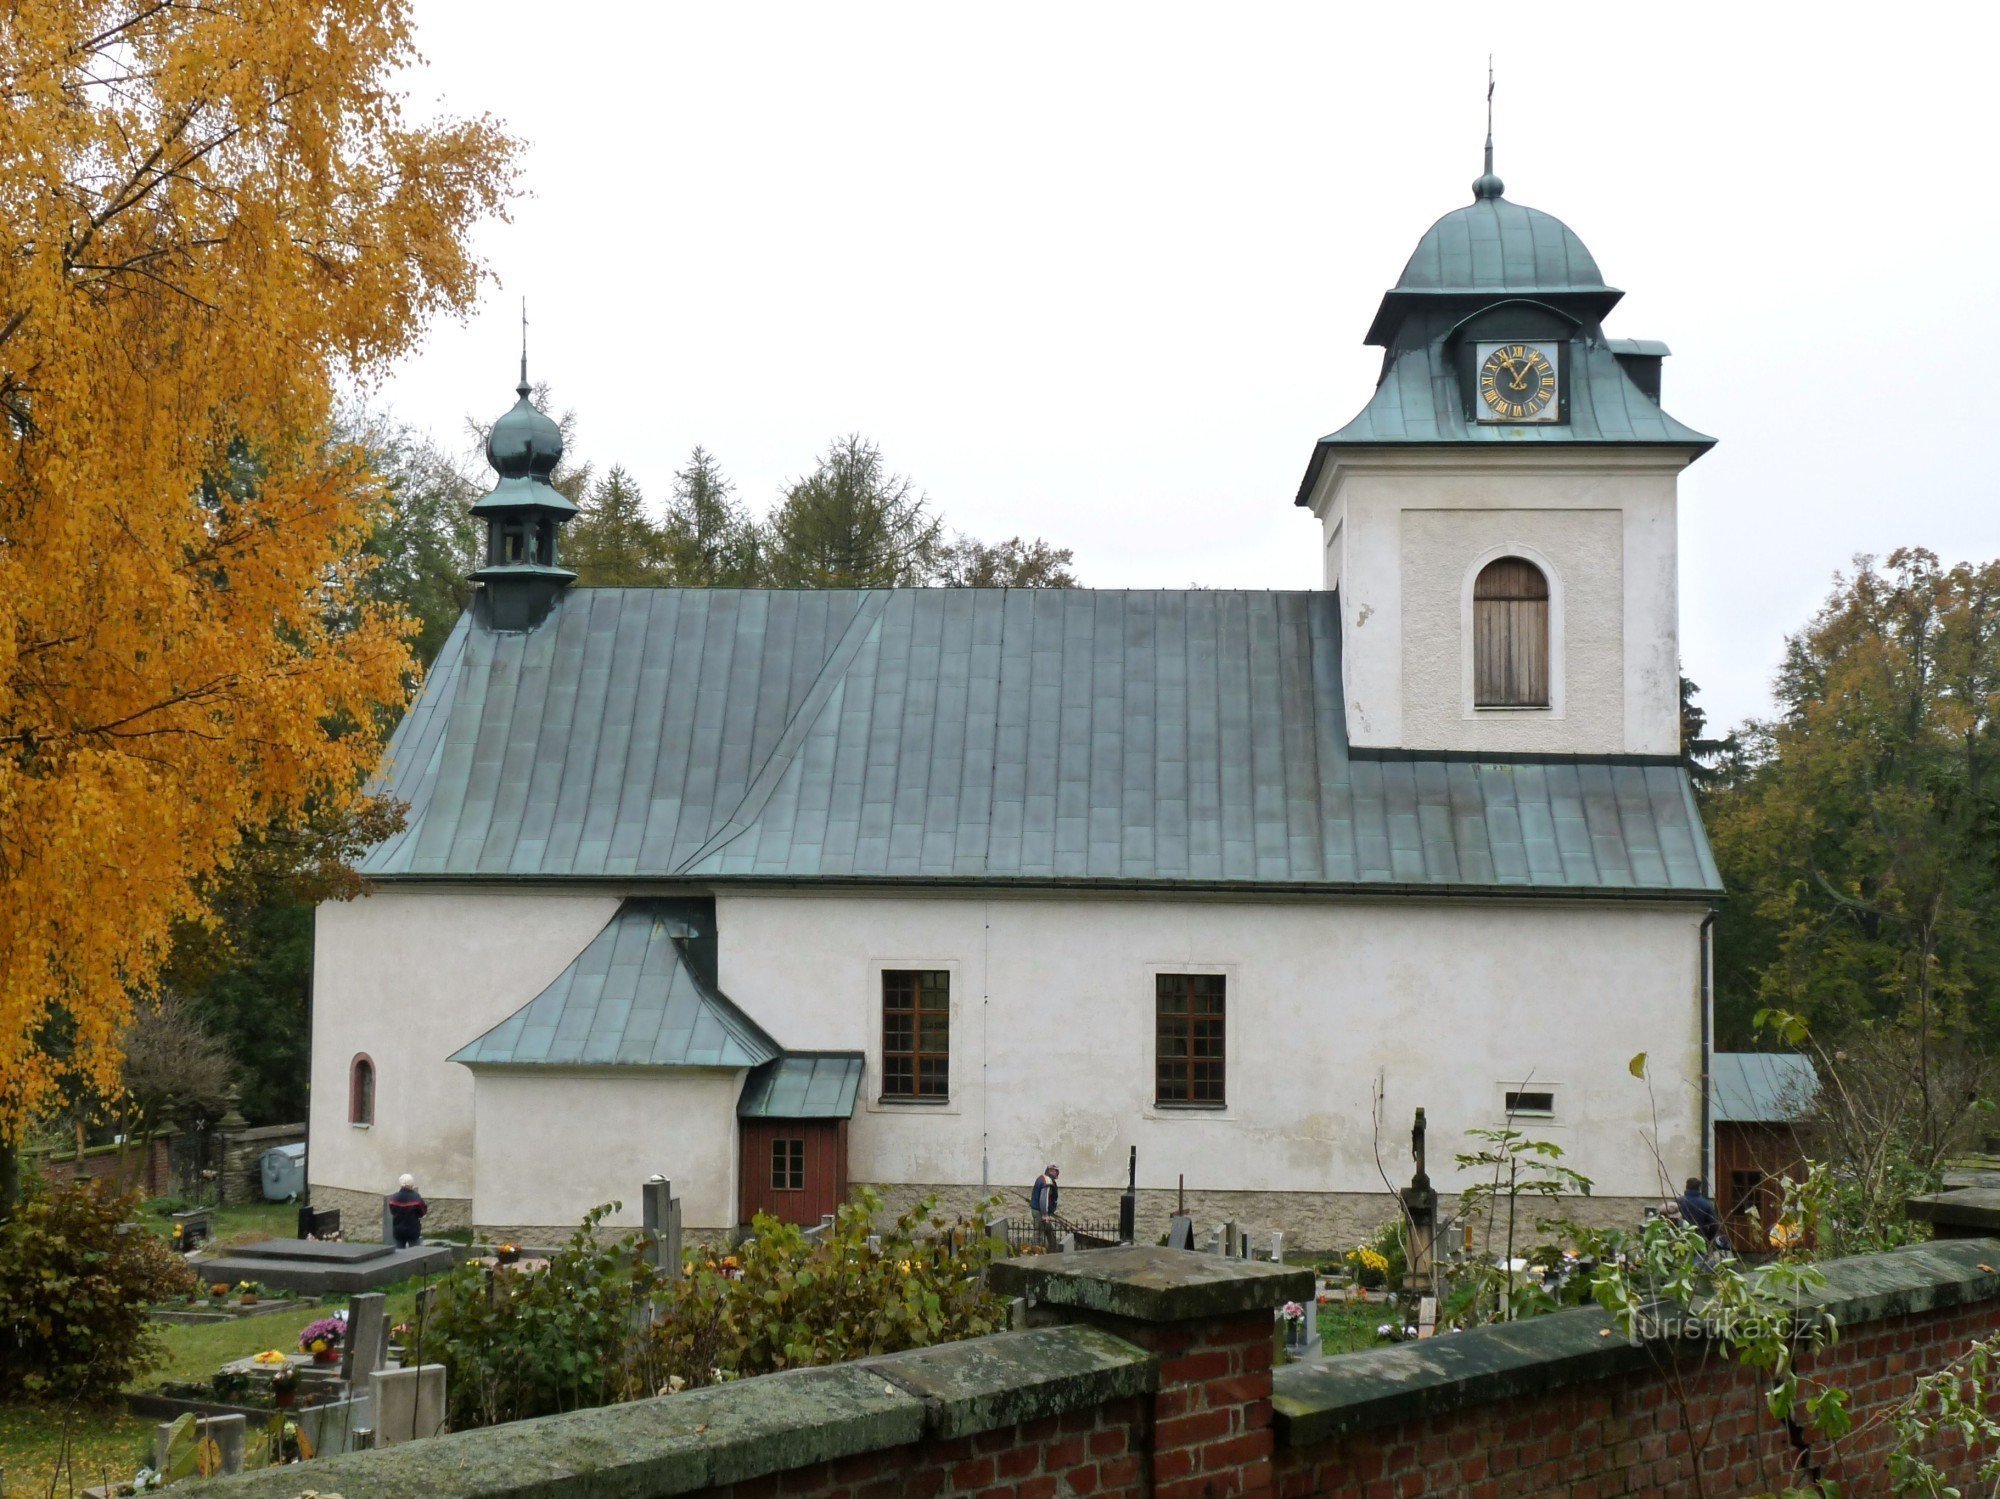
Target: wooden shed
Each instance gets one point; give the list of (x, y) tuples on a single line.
[(1760, 1100)]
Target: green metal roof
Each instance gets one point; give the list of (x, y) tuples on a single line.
[(632, 998), (1421, 401), (1762, 1087), (987, 736), (803, 1085)]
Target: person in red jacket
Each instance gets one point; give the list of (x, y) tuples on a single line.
[(406, 1213)]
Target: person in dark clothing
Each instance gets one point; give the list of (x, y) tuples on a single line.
[(1042, 1206), (1698, 1212), (406, 1213)]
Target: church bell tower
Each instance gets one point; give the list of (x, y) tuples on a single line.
[(524, 516), (1499, 519)]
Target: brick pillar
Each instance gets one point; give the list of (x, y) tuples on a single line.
[(1208, 1320)]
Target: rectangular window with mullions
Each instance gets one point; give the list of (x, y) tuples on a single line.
[(788, 1165), (916, 1033), (1188, 1052)]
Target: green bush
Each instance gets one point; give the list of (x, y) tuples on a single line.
[(600, 1324), (516, 1343), (75, 1277), (786, 1301)]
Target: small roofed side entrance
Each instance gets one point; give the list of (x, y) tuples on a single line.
[(792, 1120)]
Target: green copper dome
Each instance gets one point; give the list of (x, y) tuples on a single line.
[(1493, 245), (525, 442), (1492, 248)]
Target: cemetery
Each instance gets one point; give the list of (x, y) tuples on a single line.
[(1332, 1370)]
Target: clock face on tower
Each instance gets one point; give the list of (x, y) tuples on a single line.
[(1517, 382)]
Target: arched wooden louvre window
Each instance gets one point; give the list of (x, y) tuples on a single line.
[(1510, 635), (361, 1092)]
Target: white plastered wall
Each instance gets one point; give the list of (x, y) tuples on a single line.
[(1442, 1003), (1412, 527), (552, 1145), (409, 976)]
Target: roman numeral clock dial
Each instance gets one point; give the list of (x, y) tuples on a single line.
[(1517, 383)]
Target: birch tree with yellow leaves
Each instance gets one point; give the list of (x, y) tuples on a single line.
[(212, 214)]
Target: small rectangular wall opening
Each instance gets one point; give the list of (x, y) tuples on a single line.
[(1531, 1103)]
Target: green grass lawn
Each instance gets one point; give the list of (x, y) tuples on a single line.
[(241, 1224), (32, 1437), (1349, 1327)]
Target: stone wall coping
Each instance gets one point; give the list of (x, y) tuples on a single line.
[(1146, 1283), (1324, 1399), (731, 1433), (1976, 1208), (263, 1132)]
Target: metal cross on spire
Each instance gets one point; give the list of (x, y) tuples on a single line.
[(524, 311), (1488, 185), (1489, 132)]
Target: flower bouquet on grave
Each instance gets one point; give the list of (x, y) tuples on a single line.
[(285, 1387), (246, 1292), (218, 1292), (322, 1339), (1294, 1317), (506, 1254)]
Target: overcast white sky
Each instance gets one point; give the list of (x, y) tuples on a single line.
[(1100, 273)]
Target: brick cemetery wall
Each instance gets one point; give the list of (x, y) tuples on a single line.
[(139, 1168), (1563, 1405), (1154, 1377)]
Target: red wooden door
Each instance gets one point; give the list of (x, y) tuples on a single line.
[(793, 1169)]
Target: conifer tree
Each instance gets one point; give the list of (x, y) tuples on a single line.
[(851, 523), (711, 541), (613, 542)]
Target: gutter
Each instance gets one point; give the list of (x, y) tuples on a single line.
[(706, 883), (1705, 958)]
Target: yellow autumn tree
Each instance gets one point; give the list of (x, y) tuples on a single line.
[(213, 213)]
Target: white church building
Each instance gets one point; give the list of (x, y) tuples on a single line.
[(779, 893)]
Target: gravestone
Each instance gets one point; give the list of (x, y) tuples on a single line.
[(366, 1347), (1277, 1246), (1180, 1231), (1427, 1316), (1312, 1324), (1229, 1239), (227, 1434), (174, 1448), (660, 1216), (333, 1428), (409, 1403), (1215, 1239)]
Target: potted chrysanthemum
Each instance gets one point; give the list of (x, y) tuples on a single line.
[(322, 1339)]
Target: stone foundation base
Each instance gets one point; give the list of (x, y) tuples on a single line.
[(552, 1236), (1314, 1223), (361, 1212)]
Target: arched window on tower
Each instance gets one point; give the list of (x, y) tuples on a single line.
[(361, 1091), (1510, 635)]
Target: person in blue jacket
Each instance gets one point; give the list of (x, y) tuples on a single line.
[(1042, 1205), (1698, 1212), (406, 1213)]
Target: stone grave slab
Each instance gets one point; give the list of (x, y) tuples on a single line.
[(367, 1345), (318, 1268), (330, 1429), (312, 1251), (409, 1403)]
